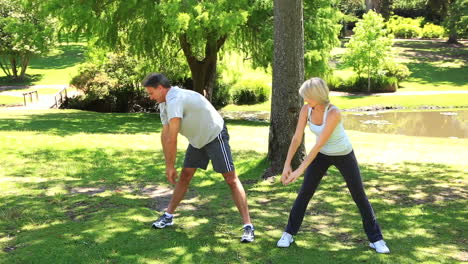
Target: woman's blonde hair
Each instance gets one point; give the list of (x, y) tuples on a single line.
[(315, 88)]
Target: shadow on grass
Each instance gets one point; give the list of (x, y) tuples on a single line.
[(28, 80), (433, 51), (69, 123), (426, 73), (420, 207)]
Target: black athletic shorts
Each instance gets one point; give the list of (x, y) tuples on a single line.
[(218, 151)]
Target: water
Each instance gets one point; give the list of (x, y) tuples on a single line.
[(446, 123)]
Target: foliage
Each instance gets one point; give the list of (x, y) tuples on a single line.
[(250, 91), (177, 36), (111, 86), (432, 31), (321, 31), (398, 70), (405, 27), (456, 20), (352, 7), (380, 84), (24, 32), (369, 47), (221, 94)]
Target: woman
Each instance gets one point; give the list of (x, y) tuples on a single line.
[(331, 148)]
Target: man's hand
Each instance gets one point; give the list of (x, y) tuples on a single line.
[(171, 174)]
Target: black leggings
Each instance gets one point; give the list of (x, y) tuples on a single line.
[(348, 166)]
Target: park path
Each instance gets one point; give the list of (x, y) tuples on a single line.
[(46, 101)]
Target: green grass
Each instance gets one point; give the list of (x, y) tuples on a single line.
[(416, 185), (10, 100), (435, 66), (56, 68)]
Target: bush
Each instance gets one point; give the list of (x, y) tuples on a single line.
[(111, 85), (397, 70), (221, 95), (432, 31), (250, 92), (379, 84), (334, 83), (405, 27)]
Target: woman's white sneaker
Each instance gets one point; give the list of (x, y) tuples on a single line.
[(285, 240), (380, 246)]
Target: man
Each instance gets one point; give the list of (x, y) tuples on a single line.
[(193, 116)]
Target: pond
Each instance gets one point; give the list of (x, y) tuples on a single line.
[(444, 123)]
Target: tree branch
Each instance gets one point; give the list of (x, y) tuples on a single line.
[(187, 48)]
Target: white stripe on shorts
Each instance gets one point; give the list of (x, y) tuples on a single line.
[(223, 149)]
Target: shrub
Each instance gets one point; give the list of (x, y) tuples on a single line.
[(334, 83), (378, 84), (250, 92), (397, 70), (221, 95), (111, 85), (432, 31), (405, 27)]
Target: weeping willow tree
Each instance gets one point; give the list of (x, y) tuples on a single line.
[(163, 30)]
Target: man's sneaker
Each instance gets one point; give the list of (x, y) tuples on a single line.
[(380, 246), (248, 235), (163, 221), (285, 240)]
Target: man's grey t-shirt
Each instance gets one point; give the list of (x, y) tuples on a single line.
[(200, 122)]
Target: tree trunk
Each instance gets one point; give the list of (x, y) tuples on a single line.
[(13, 66), (24, 65), (4, 66), (288, 75), (373, 5), (453, 39), (203, 71)]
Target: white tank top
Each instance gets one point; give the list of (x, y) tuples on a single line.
[(338, 144)]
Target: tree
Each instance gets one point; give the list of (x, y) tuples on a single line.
[(456, 20), (161, 30), (321, 31), (24, 32), (369, 47), (288, 75)]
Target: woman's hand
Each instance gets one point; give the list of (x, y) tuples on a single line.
[(292, 177), (286, 172)]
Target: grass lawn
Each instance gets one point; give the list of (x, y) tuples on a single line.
[(435, 66), (11, 100), (84, 187), (56, 68)]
